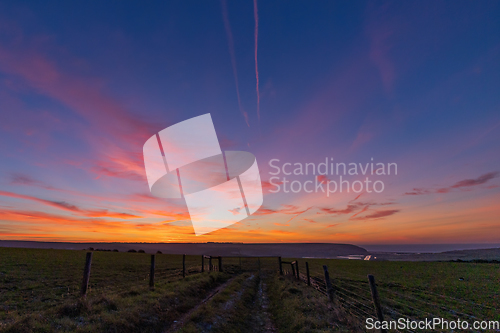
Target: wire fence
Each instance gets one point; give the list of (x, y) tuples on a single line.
[(398, 302), (41, 281), (38, 282)]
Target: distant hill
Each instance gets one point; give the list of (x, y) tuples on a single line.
[(290, 250), (465, 255)]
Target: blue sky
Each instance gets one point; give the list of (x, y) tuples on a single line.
[(83, 85)]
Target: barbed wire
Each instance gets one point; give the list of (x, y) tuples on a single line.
[(351, 299), (351, 289)]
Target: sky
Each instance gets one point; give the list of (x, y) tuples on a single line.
[(83, 85)]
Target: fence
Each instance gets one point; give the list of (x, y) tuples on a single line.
[(47, 279), (363, 298), (206, 264)]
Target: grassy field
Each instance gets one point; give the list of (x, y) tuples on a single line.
[(419, 289), (412, 290), (39, 292)]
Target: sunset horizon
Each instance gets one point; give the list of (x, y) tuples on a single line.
[(249, 166)]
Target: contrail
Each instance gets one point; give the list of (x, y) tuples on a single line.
[(233, 58), (256, 33)]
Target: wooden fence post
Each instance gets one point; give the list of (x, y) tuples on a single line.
[(293, 268), (86, 274), (297, 268), (308, 276), (220, 264), (152, 272), (210, 263), (183, 265), (329, 288), (376, 300), (202, 263), (281, 266)]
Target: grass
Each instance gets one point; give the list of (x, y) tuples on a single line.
[(417, 289), (129, 311), (228, 311), (295, 307), (39, 292), (34, 279)]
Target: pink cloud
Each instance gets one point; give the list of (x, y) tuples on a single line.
[(266, 185), (113, 130), (69, 207), (463, 185), (477, 181), (350, 209), (286, 209), (378, 214), (21, 179)]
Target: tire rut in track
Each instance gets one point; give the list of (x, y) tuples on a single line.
[(261, 321), (178, 324)]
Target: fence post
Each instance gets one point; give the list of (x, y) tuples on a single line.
[(183, 265), (297, 268), (220, 264), (86, 274), (329, 288), (281, 266), (152, 272), (293, 268), (210, 263), (308, 276), (376, 300), (202, 263)]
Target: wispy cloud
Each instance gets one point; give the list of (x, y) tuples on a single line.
[(266, 185), (381, 28), (284, 209), (463, 184), (256, 39), (70, 207), (230, 43), (116, 131), (50, 226), (478, 181), (299, 213), (361, 211), (378, 214), (22, 179), (348, 210), (357, 208), (357, 197)]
